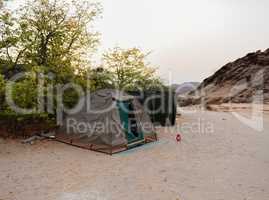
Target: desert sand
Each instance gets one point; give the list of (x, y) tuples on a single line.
[(221, 159)]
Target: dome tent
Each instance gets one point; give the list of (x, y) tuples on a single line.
[(110, 121)]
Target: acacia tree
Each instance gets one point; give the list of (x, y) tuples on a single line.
[(48, 36), (53, 34), (130, 69)]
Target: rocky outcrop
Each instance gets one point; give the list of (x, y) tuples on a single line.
[(242, 81)]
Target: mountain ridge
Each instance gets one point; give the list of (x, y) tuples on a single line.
[(242, 81)]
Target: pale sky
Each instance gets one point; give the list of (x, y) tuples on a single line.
[(189, 40)]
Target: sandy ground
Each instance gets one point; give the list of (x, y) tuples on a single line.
[(219, 158)]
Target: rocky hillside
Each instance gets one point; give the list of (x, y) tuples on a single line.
[(242, 81)]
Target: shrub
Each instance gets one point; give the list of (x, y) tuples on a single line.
[(2, 92), (24, 92)]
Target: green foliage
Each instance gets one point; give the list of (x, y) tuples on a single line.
[(2, 84), (24, 92), (101, 78), (70, 98), (48, 36), (21, 125), (50, 33), (129, 69), (2, 92), (11, 116), (63, 34)]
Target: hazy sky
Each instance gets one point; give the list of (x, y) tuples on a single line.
[(190, 39)]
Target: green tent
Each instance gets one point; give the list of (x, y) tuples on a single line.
[(109, 121)]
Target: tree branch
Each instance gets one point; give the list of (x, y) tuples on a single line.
[(19, 56), (8, 55)]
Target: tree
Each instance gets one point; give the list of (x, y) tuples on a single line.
[(11, 39), (129, 69), (53, 34)]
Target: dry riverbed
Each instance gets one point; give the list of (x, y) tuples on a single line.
[(219, 158)]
